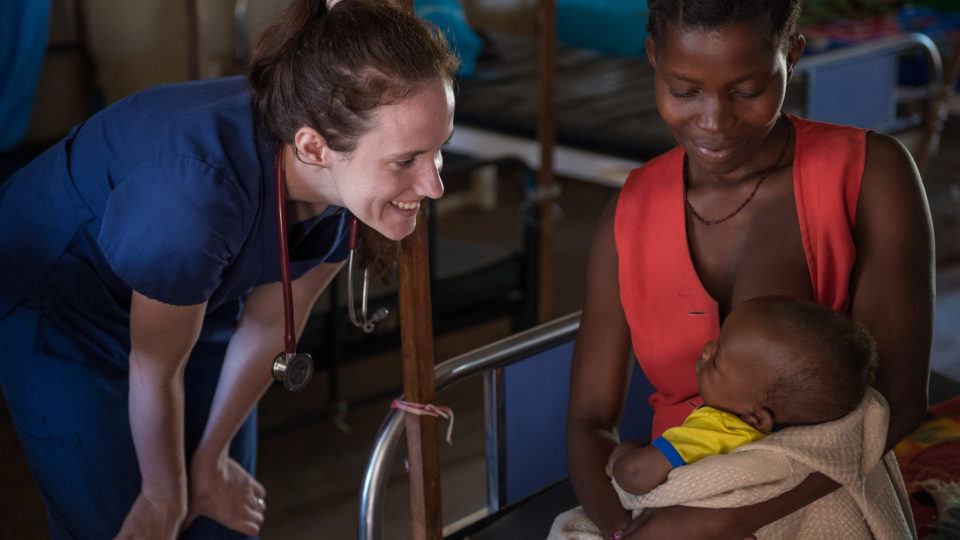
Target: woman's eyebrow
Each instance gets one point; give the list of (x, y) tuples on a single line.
[(745, 77), (405, 155), (415, 153)]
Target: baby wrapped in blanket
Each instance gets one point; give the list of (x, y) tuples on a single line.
[(786, 393)]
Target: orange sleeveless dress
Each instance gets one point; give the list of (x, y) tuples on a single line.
[(669, 312)]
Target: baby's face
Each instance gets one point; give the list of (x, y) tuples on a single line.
[(733, 371)]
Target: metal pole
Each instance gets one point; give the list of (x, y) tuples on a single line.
[(937, 114)]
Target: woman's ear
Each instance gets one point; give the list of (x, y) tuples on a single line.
[(651, 49), (311, 147), (797, 44), (760, 418)]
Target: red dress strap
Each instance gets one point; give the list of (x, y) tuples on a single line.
[(828, 168)]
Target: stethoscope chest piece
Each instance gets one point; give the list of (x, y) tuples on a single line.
[(295, 370)]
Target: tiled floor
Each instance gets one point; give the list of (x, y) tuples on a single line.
[(311, 466)]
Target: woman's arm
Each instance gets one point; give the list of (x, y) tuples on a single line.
[(598, 383), (892, 292), (726, 523), (161, 338), (893, 280), (219, 488)]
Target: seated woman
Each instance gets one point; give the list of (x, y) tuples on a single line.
[(750, 203)]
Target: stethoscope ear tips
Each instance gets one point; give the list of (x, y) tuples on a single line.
[(295, 370), (378, 315)]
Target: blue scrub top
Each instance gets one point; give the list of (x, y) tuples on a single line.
[(169, 192)]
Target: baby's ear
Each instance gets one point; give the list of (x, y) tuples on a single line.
[(761, 418)]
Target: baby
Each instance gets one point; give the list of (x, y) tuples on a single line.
[(778, 362)]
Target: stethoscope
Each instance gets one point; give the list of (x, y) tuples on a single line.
[(293, 368)]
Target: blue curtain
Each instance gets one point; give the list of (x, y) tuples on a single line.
[(450, 18), (617, 27), (23, 44)]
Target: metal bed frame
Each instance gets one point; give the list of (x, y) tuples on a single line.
[(486, 360), (821, 73)]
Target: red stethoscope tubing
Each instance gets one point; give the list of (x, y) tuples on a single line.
[(289, 337), (353, 235)]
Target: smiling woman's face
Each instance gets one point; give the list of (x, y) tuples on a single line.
[(719, 92), (396, 165)]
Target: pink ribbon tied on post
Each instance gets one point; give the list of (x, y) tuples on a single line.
[(426, 409)]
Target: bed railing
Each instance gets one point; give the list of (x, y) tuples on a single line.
[(490, 357)]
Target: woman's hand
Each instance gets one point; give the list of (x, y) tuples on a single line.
[(687, 523), (219, 487), (152, 519), (227, 494)]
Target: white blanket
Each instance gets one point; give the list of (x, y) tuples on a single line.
[(871, 502)]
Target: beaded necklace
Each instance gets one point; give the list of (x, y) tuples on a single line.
[(766, 173)]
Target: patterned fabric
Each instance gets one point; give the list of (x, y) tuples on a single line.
[(930, 461)]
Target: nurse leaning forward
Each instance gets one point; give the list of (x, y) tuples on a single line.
[(140, 309)]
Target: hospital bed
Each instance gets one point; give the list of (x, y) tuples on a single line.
[(606, 118)]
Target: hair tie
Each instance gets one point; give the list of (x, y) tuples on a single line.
[(331, 3)]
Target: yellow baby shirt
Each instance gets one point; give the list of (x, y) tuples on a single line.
[(705, 432)]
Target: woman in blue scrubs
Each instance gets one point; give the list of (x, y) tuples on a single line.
[(140, 309)]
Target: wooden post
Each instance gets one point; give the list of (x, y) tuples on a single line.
[(416, 335), (546, 133)]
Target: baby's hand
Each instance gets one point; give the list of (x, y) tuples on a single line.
[(617, 453)]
